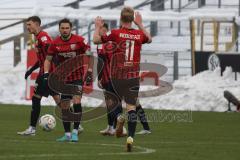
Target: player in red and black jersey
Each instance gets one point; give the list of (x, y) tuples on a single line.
[(104, 52), (125, 63), (43, 41), (67, 47)]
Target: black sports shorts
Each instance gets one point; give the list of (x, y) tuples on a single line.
[(127, 89), (42, 90), (75, 82)]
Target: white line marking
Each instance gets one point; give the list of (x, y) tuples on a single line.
[(143, 150), (37, 155)]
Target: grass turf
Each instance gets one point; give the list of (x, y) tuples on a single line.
[(186, 135)]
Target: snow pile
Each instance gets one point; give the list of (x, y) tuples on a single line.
[(13, 89), (12, 85), (202, 92)]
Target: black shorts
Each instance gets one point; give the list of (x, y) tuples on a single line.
[(107, 87), (127, 89), (42, 90), (111, 94), (75, 82)]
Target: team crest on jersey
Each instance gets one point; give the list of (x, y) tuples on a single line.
[(73, 46), (44, 38), (108, 33)]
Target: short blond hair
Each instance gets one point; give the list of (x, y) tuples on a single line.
[(127, 15)]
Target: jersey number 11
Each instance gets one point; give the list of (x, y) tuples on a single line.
[(129, 50)]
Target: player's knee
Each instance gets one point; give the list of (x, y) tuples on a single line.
[(36, 96), (57, 99), (109, 103), (64, 104), (130, 107), (77, 99)]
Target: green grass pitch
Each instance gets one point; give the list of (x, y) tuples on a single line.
[(188, 136)]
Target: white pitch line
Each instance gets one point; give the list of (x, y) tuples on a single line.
[(37, 155), (143, 150)]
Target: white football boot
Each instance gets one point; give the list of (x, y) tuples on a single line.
[(108, 131), (80, 129), (144, 132), (28, 132)]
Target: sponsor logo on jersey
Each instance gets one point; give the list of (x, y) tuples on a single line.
[(67, 54)]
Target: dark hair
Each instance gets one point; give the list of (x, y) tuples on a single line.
[(105, 25), (34, 19), (65, 20)]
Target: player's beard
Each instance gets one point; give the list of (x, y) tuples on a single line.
[(66, 37)]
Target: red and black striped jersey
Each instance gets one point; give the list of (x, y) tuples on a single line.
[(127, 44), (68, 50), (43, 41), (104, 52)]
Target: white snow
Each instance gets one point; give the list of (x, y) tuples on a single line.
[(202, 92)]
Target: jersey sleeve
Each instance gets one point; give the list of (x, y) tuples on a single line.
[(45, 41), (110, 36), (144, 38)]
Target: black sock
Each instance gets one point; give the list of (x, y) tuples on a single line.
[(67, 126), (36, 108), (110, 118), (142, 117), (132, 122), (66, 123), (77, 109)]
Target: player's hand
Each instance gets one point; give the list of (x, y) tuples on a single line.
[(138, 19), (28, 73), (88, 78), (98, 22)]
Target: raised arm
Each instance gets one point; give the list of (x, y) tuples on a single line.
[(96, 35), (47, 63), (138, 22)]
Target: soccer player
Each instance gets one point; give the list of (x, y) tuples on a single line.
[(125, 63), (43, 41), (105, 54), (114, 108), (66, 47)]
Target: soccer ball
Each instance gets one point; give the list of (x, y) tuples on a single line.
[(47, 122)]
